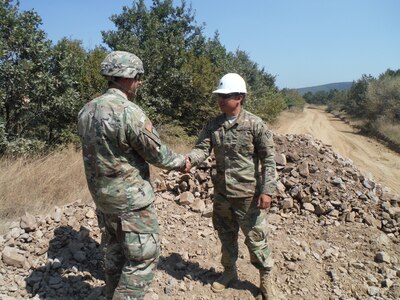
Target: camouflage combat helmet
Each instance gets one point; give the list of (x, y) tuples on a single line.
[(121, 64)]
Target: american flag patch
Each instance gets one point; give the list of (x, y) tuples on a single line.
[(148, 126), (268, 133)]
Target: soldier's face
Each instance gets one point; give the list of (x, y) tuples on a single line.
[(132, 85), (229, 103)]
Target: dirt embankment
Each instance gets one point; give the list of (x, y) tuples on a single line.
[(370, 156)]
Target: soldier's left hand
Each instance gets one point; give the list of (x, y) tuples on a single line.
[(264, 201)]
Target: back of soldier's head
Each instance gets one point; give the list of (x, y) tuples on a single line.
[(121, 64)]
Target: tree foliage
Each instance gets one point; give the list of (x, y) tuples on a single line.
[(181, 65), (339, 98), (269, 106), (357, 96), (92, 82), (163, 37), (24, 72), (320, 97), (371, 98), (383, 98), (43, 86), (293, 99), (376, 102)]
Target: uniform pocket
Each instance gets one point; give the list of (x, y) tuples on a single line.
[(244, 143), (216, 138), (141, 246)]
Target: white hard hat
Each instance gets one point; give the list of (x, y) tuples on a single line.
[(231, 83)]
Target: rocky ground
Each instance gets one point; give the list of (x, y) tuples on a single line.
[(335, 234)]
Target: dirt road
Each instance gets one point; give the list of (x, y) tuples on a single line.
[(370, 157)]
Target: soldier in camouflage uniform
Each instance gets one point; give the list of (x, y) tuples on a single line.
[(118, 142), (244, 181)]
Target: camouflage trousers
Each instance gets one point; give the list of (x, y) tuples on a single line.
[(229, 215), (130, 257)]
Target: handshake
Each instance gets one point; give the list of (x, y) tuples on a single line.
[(188, 165)]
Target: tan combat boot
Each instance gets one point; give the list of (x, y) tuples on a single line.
[(267, 291), (228, 276)]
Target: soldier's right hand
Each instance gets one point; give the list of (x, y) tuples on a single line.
[(188, 165)]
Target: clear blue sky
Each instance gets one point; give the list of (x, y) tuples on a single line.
[(302, 42)]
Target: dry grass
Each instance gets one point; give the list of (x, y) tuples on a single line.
[(390, 131), (182, 146), (37, 185)]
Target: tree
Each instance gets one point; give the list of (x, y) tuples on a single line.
[(181, 66), (257, 79), (24, 71), (357, 96), (64, 99), (338, 101), (383, 99), (41, 85), (309, 97), (217, 54), (293, 99), (202, 103), (163, 37), (390, 73), (269, 106), (92, 82)]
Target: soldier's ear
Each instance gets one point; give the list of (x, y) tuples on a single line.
[(241, 98)]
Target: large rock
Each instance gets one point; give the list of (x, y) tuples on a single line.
[(198, 205), (28, 222), (186, 198), (280, 159), (303, 169), (287, 203), (381, 257), (13, 257)]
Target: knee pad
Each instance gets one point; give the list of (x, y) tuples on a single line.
[(141, 246)]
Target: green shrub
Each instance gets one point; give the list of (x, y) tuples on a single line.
[(24, 147), (267, 107), (173, 134)]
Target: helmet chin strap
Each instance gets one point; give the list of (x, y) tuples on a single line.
[(130, 93)]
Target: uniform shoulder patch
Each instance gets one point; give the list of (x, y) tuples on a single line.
[(268, 133)]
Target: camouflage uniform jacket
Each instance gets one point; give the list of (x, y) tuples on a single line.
[(244, 152), (118, 140)]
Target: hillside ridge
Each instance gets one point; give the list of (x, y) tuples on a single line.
[(340, 86)]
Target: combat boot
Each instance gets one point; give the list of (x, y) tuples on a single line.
[(267, 291), (228, 276)]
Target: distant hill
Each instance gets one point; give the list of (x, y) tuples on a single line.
[(340, 86)]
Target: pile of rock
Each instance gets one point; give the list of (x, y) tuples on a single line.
[(312, 178), (59, 256), (55, 257)]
